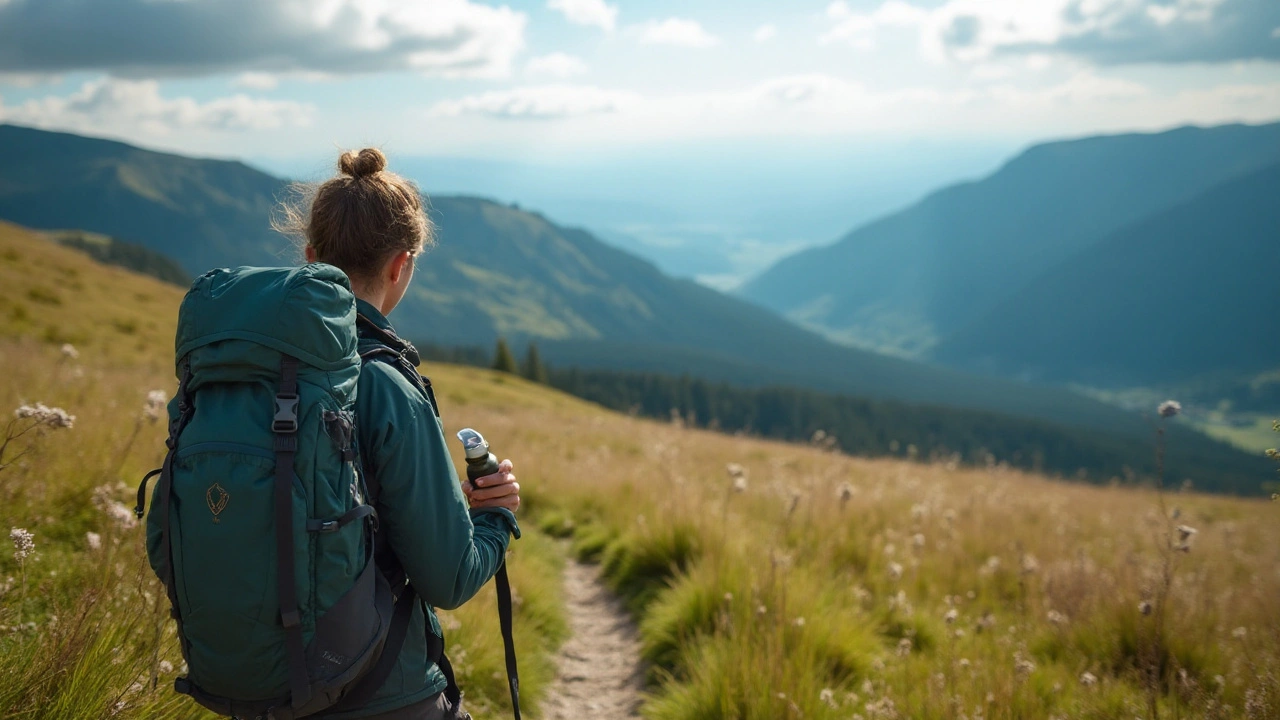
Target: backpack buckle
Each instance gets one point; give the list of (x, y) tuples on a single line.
[(286, 418)]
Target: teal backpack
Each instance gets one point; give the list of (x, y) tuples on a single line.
[(260, 526)]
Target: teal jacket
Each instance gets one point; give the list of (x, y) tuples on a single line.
[(447, 550)]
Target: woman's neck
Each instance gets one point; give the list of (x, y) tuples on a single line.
[(376, 297)]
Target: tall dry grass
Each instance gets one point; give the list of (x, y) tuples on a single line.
[(776, 581)]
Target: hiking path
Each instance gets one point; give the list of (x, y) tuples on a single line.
[(600, 673)]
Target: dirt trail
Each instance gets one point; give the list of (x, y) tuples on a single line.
[(600, 672)]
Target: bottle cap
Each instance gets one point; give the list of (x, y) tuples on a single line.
[(473, 444)]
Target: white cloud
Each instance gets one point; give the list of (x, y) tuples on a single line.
[(543, 102), (456, 38), (257, 81), (1107, 31), (138, 106), (596, 13), (765, 33), (859, 29), (557, 64), (681, 32), (1021, 107)]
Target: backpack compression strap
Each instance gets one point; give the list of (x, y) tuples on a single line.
[(164, 490), (285, 426)]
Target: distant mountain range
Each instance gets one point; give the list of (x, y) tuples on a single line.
[(1187, 292), (1121, 259), (497, 271)]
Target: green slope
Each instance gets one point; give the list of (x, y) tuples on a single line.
[(202, 213), (1185, 293), (906, 281), (497, 270), (109, 251)]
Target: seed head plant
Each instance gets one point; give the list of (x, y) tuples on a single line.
[(23, 546)]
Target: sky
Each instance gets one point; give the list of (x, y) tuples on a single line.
[(600, 91)]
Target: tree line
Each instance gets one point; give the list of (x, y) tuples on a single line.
[(874, 428)]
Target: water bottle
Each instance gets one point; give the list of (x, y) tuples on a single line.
[(480, 462)]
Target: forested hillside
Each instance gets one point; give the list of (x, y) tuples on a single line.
[(872, 428)]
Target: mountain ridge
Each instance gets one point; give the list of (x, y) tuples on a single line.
[(1176, 296), (903, 282)]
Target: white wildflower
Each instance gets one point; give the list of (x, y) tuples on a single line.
[(917, 540), (1185, 534), (845, 492), (1057, 618), (1088, 679), (166, 667), (70, 352), (24, 543), (1022, 666), (828, 697), (1239, 633), (1029, 564), (104, 500), (895, 570), (153, 410), (45, 416), (94, 540)]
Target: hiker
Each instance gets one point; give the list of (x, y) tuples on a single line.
[(308, 517), (370, 223)]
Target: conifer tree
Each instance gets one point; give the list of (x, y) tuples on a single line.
[(534, 369), (502, 358)]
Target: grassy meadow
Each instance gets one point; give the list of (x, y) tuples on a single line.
[(770, 580)]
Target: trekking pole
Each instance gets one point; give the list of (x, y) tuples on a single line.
[(481, 462)]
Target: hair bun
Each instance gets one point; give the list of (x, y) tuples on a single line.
[(368, 161)]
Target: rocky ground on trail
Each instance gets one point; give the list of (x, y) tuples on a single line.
[(600, 673)]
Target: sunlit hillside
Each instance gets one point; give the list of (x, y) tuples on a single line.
[(771, 580)]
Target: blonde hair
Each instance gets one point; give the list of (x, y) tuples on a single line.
[(359, 219)]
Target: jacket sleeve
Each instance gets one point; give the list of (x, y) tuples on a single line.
[(448, 552)]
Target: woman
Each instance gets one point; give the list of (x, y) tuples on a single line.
[(448, 539)]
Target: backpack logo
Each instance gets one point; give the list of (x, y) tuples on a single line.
[(216, 498)]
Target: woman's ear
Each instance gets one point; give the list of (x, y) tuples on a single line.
[(397, 266), (310, 252)]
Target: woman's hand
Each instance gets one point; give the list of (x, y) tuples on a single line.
[(499, 490)]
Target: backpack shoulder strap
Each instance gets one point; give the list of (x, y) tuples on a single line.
[(382, 345)]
